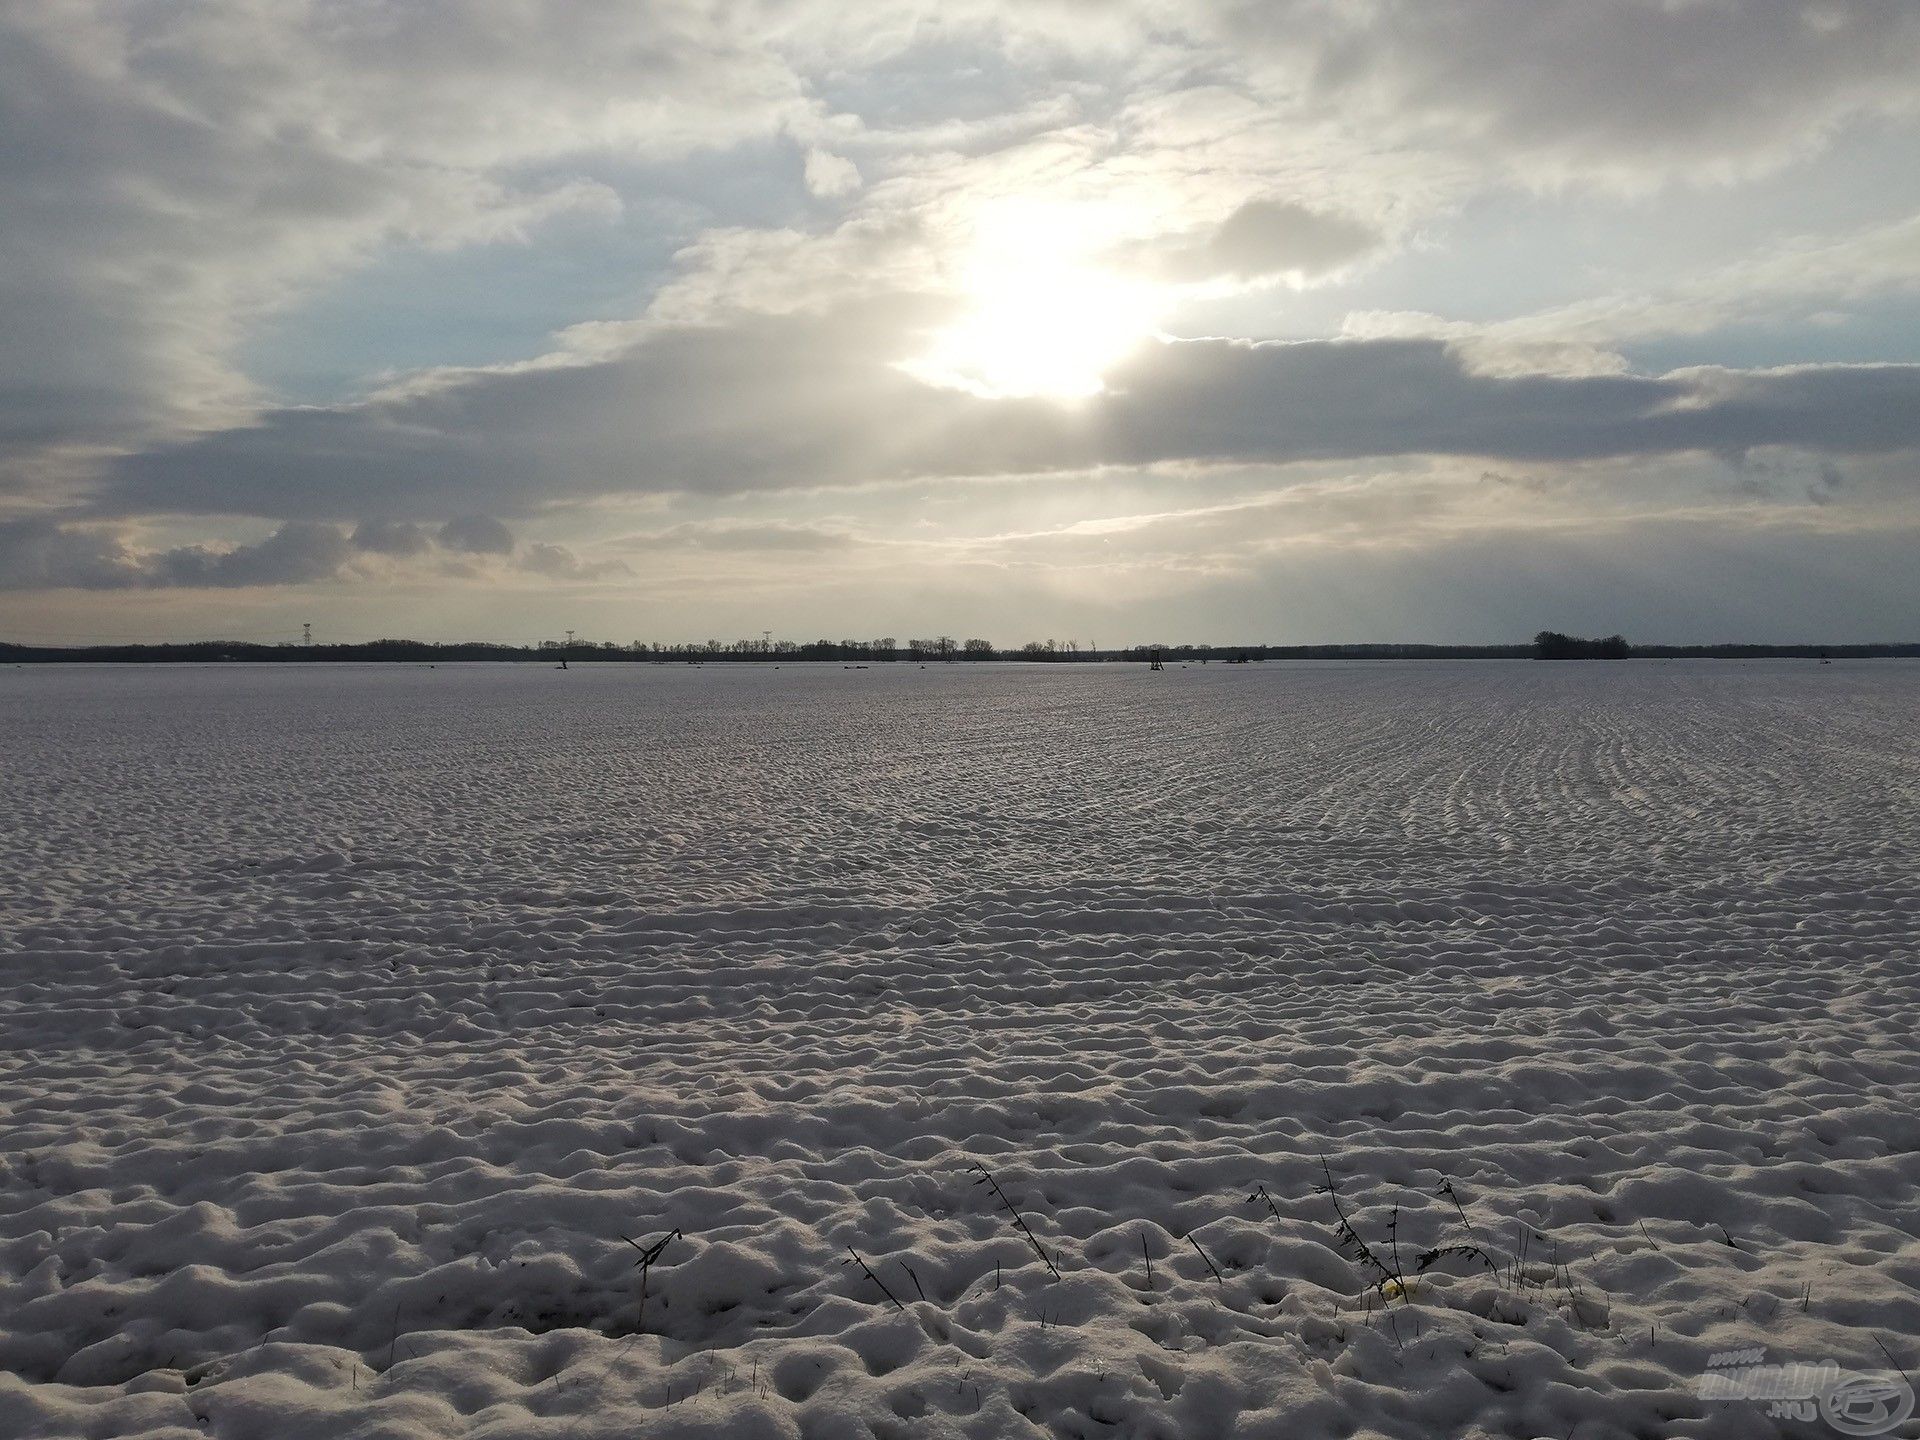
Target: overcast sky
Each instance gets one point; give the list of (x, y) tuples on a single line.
[(1291, 320)]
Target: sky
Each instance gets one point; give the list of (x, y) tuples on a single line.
[(1288, 321)]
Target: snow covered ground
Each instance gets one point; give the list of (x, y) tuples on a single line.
[(352, 1017)]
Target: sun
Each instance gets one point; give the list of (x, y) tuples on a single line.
[(1044, 316)]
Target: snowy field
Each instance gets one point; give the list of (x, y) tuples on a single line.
[(354, 1020)]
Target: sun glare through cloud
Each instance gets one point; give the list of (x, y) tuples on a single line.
[(1046, 315)]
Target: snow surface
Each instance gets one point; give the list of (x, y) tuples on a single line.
[(352, 1017)]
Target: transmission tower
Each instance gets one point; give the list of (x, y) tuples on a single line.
[(306, 633)]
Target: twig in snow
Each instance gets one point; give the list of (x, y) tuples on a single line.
[(1893, 1362), (1428, 1258), (1446, 1189), (1147, 1255), (648, 1254), (875, 1278), (1203, 1255), (1260, 1194), (1350, 1237), (986, 1178), (915, 1278)]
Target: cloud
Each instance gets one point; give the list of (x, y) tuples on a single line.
[(476, 535), (743, 535), (179, 180), (1508, 349), (1628, 92), (176, 174), (390, 537), (831, 176), (557, 562), (41, 554), (44, 553), (1277, 237), (172, 176), (1781, 275), (797, 401), (297, 553)]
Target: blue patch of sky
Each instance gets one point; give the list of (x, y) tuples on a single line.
[(494, 303), (1509, 253), (1886, 331), (966, 80)]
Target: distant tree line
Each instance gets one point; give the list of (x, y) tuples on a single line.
[(1547, 645), (1552, 645)]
